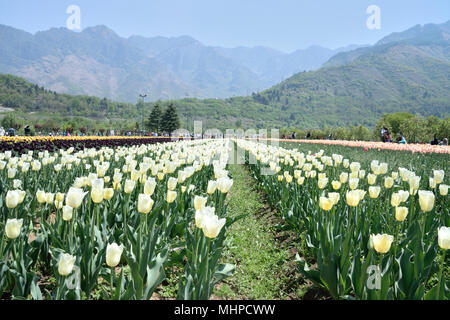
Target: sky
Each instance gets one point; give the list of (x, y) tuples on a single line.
[(285, 25)]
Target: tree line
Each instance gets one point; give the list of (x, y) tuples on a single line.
[(415, 129)]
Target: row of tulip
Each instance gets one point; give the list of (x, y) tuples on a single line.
[(374, 233), (109, 221), (367, 145), (21, 144)]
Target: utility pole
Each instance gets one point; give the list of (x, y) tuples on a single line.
[(143, 96)]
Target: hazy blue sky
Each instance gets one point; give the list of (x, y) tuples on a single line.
[(282, 24)]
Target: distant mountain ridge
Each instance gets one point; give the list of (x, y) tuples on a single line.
[(98, 62)]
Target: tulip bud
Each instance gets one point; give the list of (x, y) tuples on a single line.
[(212, 186), (343, 177), (108, 193), (67, 213), (21, 195), (444, 237), (443, 189), (371, 178), (325, 203), (199, 214), (12, 228), (129, 186), (395, 200), (288, 179), (75, 197), (211, 226), (224, 184), (353, 197), (12, 173), (336, 185), (388, 182), (40, 195), (66, 263), (49, 197), (172, 183), (374, 192), (401, 213), (113, 254), (382, 242), (353, 183), (17, 184), (199, 202), (426, 200), (335, 197), (60, 196), (171, 196), (438, 176), (145, 203), (12, 199), (149, 186), (322, 183)]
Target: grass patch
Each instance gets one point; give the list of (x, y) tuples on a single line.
[(263, 263)]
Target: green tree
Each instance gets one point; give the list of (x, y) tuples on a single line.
[(11, 121), (154, 120), (170, 121)]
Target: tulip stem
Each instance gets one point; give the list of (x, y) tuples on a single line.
[(440, 278), (112, 282)]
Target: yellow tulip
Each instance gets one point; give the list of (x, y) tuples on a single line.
[(395, 200), (66, 263), (199, 202), (212, 225), (12, 199), (353, 183), (74, 197), (401, 213), (171, 196), (322, 183), (300, 180), (388, 182), (336, 185), (335, 197), (113, 254), (382, 242), (438, 176), (443, 189), (12, 228), (145, 203), (172, 183), (149, 186), (325, 203), (426, 200), (371, 178), (224, 184), (212, 186), (129, 186), (444, 237), (374, 192), (67, 213), (108, 193), (353, 198), (40, 195)]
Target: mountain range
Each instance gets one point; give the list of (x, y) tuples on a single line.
[(405, 71), (98, 62)]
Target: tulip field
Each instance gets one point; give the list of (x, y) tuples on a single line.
[(104, 223), (107, 219), (373, 230)]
